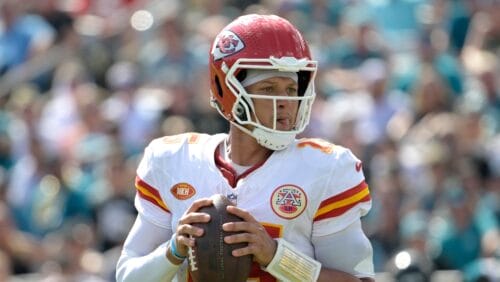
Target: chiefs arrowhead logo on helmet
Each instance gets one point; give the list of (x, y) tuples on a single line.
[(227, 43)]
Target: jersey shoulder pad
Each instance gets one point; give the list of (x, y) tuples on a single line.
[(173, 143), (319, 153)]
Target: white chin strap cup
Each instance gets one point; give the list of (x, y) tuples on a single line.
[(273, 141)]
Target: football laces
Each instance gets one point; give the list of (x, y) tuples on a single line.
[(192, 257)]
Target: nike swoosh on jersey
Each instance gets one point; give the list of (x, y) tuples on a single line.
[(358, 166)]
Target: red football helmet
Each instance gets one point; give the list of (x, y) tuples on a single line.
[(264, 42)]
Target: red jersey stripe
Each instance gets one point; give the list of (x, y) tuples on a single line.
[(150, 194), (341, 210), (344, 195), (341, 203), (143, 184)]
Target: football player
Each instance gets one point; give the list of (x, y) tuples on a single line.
[(301, 199)]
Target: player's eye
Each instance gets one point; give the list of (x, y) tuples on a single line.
[(266, 89), (292, 91)]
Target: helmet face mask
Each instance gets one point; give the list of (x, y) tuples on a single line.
[(244, 105), (261, 43)]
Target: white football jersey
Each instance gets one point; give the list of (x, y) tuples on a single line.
[(313, 188)]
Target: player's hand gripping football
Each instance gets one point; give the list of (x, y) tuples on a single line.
[(260, 244), (185, 227)]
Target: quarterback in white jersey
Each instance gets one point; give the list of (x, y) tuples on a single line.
[(301, 199)]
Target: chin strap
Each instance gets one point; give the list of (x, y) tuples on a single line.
[(289, 264), (273, 141)]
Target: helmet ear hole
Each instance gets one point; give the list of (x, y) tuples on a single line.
[(303, 80), (219, 87), (242, 74), (240, 111)]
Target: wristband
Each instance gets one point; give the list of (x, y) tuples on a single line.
[(173, 249), (289, 264)]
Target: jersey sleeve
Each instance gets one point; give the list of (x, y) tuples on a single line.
[(346, 196), (148, 199), (348, 250)]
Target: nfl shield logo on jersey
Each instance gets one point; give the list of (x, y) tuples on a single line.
[(288, 201), (233, 198)]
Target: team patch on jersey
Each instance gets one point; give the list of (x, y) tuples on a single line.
[(182, 191), (288, 201), (227, 43)]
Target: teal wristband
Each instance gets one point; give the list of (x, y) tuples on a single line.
[(173, 249)]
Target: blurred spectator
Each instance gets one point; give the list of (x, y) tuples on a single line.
[(135, 111), (22, 35), (116, 214), (6, 158), (384, 103), (23, 251), (61, 112), (71, 255), (5, 267), (459, 241)]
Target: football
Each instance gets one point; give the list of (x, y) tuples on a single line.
[(211, 258)]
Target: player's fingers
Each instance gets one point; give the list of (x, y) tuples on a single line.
[(234, 226), (196, 205), (194, 217), (242, 252), (183, 242), (244, 226), (188, 229), (246, 216), (240, 238), (251, 227), (251, 249)]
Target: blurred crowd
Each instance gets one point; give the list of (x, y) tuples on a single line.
[(411, 86)]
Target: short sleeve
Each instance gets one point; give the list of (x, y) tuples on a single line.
[(148, 199), (346, 197)]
